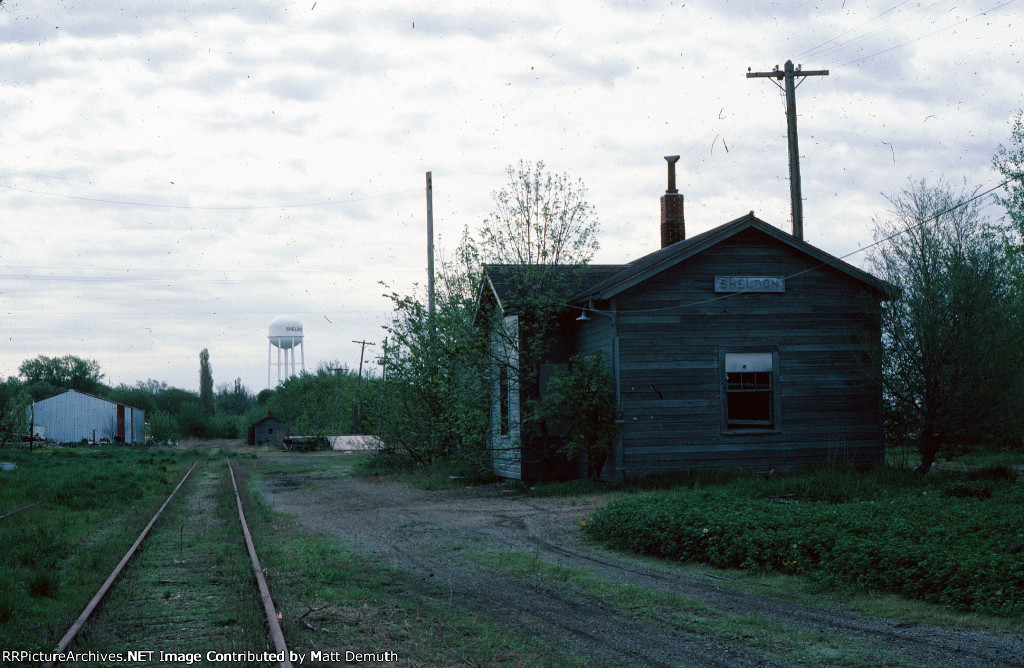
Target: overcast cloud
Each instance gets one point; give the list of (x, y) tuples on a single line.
[(174, 176)]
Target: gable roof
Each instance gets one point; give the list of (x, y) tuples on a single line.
[(269, 418), (604, 281), (649, 265), (502, 282), (86, 394)]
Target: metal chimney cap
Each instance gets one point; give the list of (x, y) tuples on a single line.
[(671, 159)]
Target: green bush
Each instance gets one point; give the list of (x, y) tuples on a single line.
[(963, 549), (968, 490)]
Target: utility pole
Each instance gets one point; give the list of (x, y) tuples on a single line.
[(789, 74), (359, 382), (337, 394), (430, 249)]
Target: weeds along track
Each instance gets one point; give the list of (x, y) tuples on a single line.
[(190, 584)]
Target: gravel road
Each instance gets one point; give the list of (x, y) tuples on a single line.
[(430, 532)]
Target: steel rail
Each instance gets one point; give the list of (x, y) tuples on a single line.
[(69, 637), (268, 603), (14, 512)]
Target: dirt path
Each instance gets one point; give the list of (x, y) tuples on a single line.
[(432, 532)]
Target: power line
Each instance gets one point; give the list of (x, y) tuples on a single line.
[(315, 277), (817, 50), (176, 189), (934, 32), (846, 45), (194, 270), (192, 207), (178, 314), (814, 50), (821, 265)]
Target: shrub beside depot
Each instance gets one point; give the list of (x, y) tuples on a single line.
[(958, 543)]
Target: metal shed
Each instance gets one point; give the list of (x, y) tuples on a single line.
[(74, 416)]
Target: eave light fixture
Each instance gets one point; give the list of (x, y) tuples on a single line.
[(583, 316)]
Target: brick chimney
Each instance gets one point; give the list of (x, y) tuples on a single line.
[(673, 226)]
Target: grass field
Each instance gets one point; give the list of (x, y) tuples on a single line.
[(954, 539), (90, 503)]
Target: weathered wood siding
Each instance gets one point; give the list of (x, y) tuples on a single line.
[(268, 430), (506, 450), (598, 335), (823, 331)]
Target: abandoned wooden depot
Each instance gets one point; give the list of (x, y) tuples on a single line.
[(742, 347)]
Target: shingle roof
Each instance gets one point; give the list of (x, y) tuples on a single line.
[(605, 281), (643, 268), (505, 281)]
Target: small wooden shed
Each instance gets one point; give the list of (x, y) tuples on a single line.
[(742, 347), (268, 430)]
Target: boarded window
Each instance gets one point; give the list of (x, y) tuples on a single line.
[(750, 391), (503, 399)]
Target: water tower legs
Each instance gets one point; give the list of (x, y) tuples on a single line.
[(285, 335)]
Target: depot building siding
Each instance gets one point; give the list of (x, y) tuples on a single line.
[(75, 416), (741, 347), (780, 374)]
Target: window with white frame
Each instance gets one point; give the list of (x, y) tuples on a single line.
[(749, 391)]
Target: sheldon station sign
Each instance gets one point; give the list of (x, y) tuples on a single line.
[(750, 284)]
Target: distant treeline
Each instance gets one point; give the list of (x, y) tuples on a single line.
[(319, 403)]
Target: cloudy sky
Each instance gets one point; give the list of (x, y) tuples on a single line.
[(173, 176)]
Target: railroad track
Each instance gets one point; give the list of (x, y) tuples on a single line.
[(187, 593)]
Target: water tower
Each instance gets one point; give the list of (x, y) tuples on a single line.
[(286, 336)]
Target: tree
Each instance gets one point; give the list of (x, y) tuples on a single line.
[(162, 427), (952, 364), (436, 387), (584, 398), (206, 381), (234, 400), (1010, 163), (541, 235), (132, 396), (46, 376), (194, 420), (539, 219), (171, 399), (433, 402), (14, 403), (315, 404), (152, 386)]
